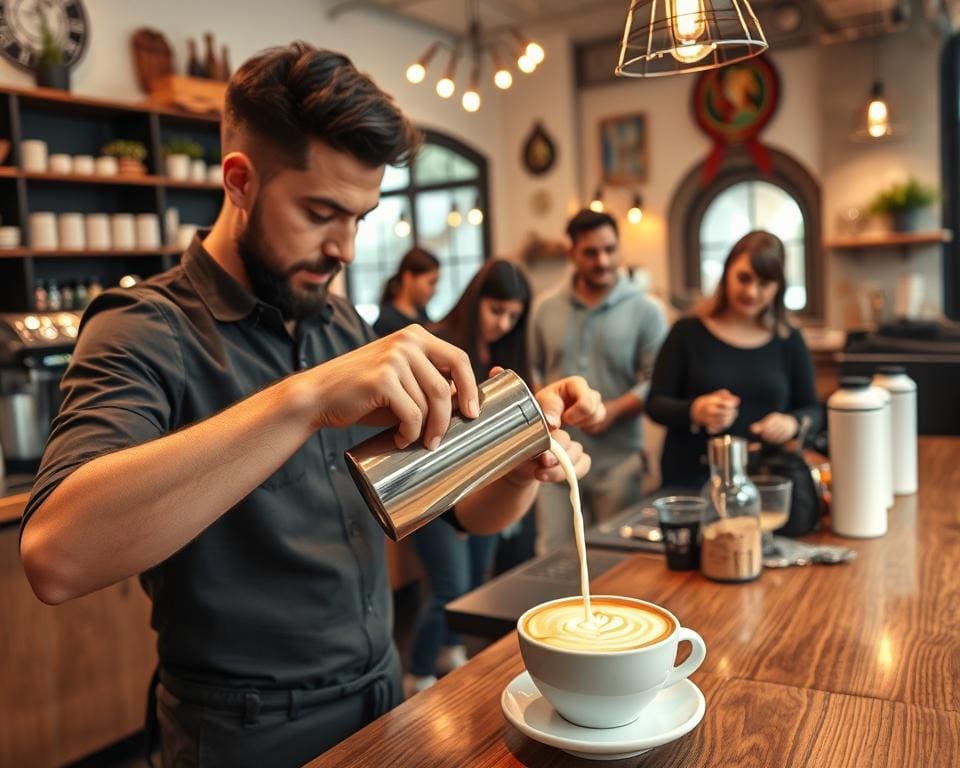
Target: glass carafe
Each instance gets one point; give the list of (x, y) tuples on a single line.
[(730, 548)]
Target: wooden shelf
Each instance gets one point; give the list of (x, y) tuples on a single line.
[(142, 180), (63, 98), (19, 253), (890, 240)]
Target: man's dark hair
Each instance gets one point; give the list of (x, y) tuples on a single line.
[(587, 221), (288, 95)]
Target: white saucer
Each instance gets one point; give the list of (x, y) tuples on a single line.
[(675, 712)]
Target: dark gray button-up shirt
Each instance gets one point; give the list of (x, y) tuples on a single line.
[(287, 589)]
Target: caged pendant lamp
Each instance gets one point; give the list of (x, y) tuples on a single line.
[(668, 37)]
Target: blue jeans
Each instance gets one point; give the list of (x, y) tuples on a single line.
[(454, 564)]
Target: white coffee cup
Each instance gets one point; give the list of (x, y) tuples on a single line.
[(603, 688), (106, 166), (9, 237), (33, 155), (72, 232), (148, 230), (98, 231), (178, 166), (171, 223), (198, 171), (123, 232), (43, 230), (185, 235), (83, 165), (61, 163)]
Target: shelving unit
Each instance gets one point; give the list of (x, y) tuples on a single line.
[(81, 126)]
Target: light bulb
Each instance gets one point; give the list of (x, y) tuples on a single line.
[(416, 72), (535, 52), (689, 21), (445, 88), (454, 218), (503, 79), (475, 216), (470, 100), (526, 65), (596, 205), (402, 228), (689, 24), (878, 118), (635, 215)]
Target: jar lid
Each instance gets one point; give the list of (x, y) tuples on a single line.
[(891, 370), (854, 382)]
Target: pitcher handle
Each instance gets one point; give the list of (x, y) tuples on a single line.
[(692, 662)]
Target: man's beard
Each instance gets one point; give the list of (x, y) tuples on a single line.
[(271, 284)]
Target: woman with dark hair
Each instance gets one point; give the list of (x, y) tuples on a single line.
[(489, 323), (408, 291), (736, 366)]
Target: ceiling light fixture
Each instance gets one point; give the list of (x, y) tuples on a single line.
[(478, 42), (668, 37)]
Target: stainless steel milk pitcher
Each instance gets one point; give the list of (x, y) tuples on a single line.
[(407, 488)]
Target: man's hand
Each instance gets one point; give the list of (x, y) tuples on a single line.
[(775, 428), (404, 379), (715, 412), (571, 401)]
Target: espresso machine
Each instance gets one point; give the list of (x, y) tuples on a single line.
[(35, 349)]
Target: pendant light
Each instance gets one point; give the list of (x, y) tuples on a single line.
[(635, 214), (596, 205), (454, 218), (667, 37), (402, 228), (874, 119), (475, 214)]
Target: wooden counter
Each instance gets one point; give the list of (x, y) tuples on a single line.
[(847, 665)]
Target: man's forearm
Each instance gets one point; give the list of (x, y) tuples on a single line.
[(497, 506), (624, 407), (122, 513)]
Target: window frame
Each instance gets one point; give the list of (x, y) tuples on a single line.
[(690, 203), (413, 188), (950, 172)]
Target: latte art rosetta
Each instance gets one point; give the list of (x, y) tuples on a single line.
[(616, 626)]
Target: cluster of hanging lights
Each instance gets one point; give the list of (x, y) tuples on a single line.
[(529, 55), (403, 229), (634, 213)]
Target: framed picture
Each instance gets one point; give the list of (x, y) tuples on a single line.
[(623, 150)]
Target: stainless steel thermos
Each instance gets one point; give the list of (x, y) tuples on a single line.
[(407, 488)]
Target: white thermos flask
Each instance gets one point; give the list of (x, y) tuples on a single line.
[(903, 404), (887, 444), (855, 420)]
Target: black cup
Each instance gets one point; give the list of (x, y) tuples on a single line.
[(680, 518)]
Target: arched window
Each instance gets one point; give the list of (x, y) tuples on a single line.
[(441, 204), (705, 222)]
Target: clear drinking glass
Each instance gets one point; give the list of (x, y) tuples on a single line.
[(776, 493)]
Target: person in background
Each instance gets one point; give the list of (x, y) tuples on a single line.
[(489, 323), (407, 293), (736, 366), (604, 328)]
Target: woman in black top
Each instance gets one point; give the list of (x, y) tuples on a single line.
[(737, 366), (489, 323), (408, 291)]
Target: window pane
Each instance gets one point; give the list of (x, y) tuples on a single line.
[(778, 212), (747, 206), (727, 218), (436, 164), (378, 252), (459, 248), (395, 178)]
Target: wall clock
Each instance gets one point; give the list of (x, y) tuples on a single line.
[(20, 25)]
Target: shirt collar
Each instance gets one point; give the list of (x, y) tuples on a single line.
[(227, 300)]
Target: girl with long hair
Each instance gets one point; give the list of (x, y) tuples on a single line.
[(408, 291)]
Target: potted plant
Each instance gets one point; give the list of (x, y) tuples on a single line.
[(51, 70), (180, 152), (129, 154), (903, 203)]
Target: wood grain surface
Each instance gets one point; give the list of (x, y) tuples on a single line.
[(850, 665)]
